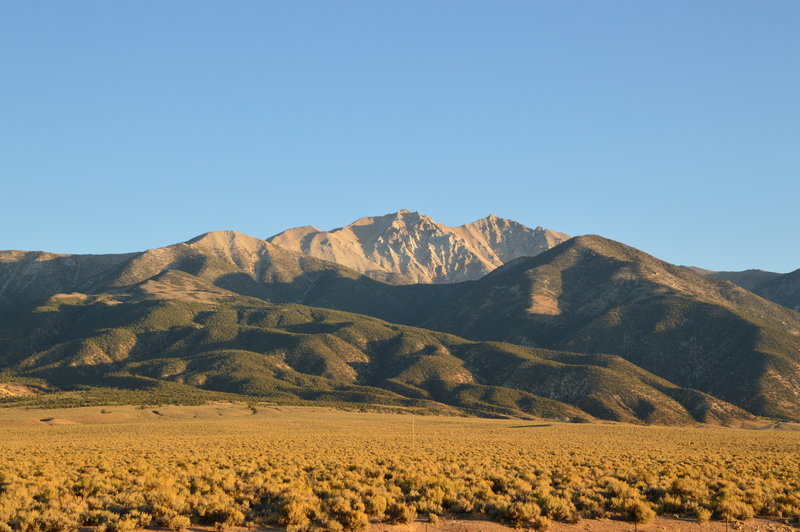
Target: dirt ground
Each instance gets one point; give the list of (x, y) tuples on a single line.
[(594, 525), (660, 524)]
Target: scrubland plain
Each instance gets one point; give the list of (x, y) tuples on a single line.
[(225, 465)]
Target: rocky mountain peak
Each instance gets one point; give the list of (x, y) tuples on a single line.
[(411, 247)]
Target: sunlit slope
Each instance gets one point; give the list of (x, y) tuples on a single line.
[(180, 329)]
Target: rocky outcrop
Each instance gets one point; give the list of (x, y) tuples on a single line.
[(409, 247)]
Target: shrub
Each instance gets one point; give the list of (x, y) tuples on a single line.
[(541, 523), (731, 508), (672, 504), (641, 512), (634, 510), (688, 487), (558, 508), (376, 505), (332, 525), (589, 506), (354, 520), (518, 513), (295, 512), (178, 523), (401, 513), (702, 515), (124, 524)]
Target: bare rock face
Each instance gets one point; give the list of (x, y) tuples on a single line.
[(409, 247)]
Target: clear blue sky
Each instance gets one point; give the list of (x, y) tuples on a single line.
[(673, 126)]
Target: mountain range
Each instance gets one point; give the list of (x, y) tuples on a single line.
[(489, 318)]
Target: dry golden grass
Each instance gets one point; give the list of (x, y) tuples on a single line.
[(120, 468)]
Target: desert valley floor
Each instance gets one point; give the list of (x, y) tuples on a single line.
[(233, 466)]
